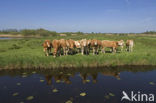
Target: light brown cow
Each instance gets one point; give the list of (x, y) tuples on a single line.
[(64, 46), (121, 44), (94, 45), (56, 46), (47, 47), (110, 44), (129, 45), (78, 46), (83, 44)]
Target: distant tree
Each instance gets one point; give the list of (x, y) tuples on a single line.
[(9, 31), (79, 33), (28, 32), (150, 32)]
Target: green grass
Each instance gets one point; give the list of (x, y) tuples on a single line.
[(28, 53)]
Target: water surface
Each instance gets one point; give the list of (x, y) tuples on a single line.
[(101, 85)]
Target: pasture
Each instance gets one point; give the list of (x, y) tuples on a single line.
[(28, 53)]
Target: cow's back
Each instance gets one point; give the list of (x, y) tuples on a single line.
[(56, 43), (62, 43), (107, 43)]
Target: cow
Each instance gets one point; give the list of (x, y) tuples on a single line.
[(110, 44), (99, 45), (83, 44), (94, 45), (56, 45), (64, 46), (88, 45), (129, 45), (47, 47), (78, 46), (121, 44), (71, 45)]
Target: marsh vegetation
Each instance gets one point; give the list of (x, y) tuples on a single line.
[(28, 53)]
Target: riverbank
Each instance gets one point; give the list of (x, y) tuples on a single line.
[(28, 53)]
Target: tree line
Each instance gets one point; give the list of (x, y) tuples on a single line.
[(44, 32)]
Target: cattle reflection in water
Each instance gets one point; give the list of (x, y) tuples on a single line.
[(65, 77)]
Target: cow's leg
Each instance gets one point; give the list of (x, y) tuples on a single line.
[(48, 51), (59, 51), (114, 49), (55, 52), (97, 50), (82, 50), (93, 50), (44, 50), (67, 50), (103, 50), (129, 48), (88, 50), (121, 48), (64, 51)]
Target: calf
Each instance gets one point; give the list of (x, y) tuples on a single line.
[(110, 44), (47, 47), (129, 45), (56, 45)]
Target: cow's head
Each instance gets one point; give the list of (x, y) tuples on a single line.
[(77, 44), (120, 43), (88, 42), (48, 43), (84, 42)]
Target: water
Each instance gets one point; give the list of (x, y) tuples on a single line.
[(101, 85), (6, 38), (1, 38)]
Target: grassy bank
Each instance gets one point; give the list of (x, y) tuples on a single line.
[(28, 53)]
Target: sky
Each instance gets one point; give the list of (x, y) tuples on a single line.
[(107, 16)]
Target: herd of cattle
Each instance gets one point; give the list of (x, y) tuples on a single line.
[(84, 46)]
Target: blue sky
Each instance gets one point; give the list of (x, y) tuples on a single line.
[(79, 15)]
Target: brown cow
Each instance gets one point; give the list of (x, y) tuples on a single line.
[(110, 44), (71, 45), (47, 47), (129, 45), (64, 46), (56, 45), (94, 45), (99, 44), (89, 45)]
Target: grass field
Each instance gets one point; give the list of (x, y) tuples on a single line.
[(28, 53)]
